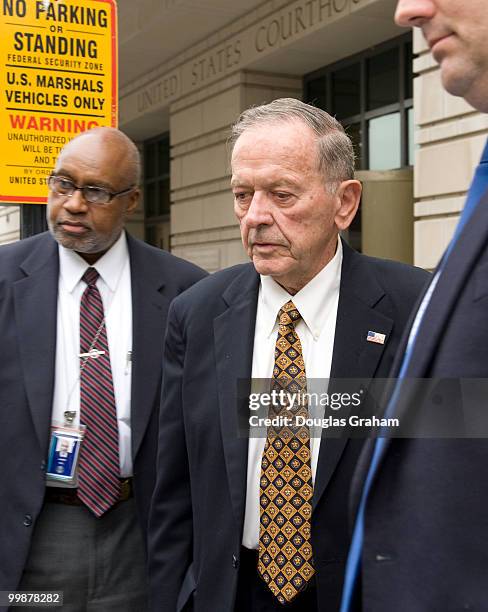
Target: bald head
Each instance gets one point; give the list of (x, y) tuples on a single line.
[(126, 155)]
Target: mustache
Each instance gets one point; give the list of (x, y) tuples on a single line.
[(68, 221), (258, 236)]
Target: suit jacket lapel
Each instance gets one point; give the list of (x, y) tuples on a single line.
[(35, 305), (366, 454), (149, 307), (234, 340), (353, 357), (458, 267)]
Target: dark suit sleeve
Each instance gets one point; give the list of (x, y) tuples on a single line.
[(170, 522)]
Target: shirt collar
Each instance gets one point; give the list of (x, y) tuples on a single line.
[(311, 300), (72, 266)]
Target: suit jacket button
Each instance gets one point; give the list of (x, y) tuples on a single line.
[(43, 466), (27, 520), (235, 562)]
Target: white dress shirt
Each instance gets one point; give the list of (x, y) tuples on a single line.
[(114, 285), (317, 303)]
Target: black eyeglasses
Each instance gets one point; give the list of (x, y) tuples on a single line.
[(95, 195)]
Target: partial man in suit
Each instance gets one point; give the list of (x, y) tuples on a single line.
[(314, 301), (421, 529), (82, 316)]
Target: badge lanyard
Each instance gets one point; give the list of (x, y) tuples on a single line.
[(66, 438), (70, 415)]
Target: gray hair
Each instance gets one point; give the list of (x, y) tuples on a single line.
[(335, 150)]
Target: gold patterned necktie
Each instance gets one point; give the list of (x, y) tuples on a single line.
[(285, 550)]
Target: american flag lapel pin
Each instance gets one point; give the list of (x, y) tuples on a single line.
[(376, 337)]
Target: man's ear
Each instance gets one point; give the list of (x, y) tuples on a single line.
[(349, 194), (134, 197)]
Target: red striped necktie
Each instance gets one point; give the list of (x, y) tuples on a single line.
[(98, 471)]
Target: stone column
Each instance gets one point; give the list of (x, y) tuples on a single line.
[(203, 227), (9, 224)]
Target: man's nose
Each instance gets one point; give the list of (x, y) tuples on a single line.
[(76, 203), (410, 13), (259, 211)]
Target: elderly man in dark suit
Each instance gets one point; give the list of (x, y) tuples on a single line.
[(82, 315), (421, 528), (260, 522)]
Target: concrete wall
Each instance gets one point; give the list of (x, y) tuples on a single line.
[(450, 137), (9, 224), (387, 214), (199, 93)]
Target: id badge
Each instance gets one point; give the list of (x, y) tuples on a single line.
[(64, 449)]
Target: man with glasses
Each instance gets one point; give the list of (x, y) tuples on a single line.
[(82, 317)]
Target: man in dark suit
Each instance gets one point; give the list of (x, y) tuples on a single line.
[(221, 498), (421, 528), (82, 531)]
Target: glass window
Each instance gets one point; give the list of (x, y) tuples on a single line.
[(164, 197), (346, 101), (149, 161), (354, 132), (150, 199), (383, 82), (157, 191), (163, 156), (408, 70), (151, 236), (384, 142), (317, 92), (373, 84), (372, 96)]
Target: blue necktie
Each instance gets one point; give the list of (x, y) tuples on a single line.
[(478, 187)]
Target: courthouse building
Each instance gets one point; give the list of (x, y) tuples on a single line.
[(188, 68)]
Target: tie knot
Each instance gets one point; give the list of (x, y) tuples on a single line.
[(90, 277), (289, 314)]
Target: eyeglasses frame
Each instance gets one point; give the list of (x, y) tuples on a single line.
[(112, 194)]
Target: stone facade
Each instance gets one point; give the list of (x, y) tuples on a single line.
[(262, 55), (450, 137)]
